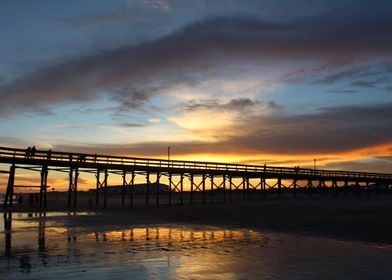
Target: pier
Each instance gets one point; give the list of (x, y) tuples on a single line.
[(186, 181)]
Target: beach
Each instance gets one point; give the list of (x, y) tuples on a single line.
[(364, 218), (287, 238)]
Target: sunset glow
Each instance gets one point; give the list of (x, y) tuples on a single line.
[(256, 82)]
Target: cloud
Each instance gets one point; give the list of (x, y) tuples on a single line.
[(375, 164), (199, 48), (205, 124), (330, 131), (383, 82), (154, 120), (235, 104), (213, 120), (340, 75), (130, 124)]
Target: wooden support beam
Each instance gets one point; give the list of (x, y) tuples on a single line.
[(170, 188), (70, 186), (105, 189), (147, 188), (132, 188), (230, 187), (157, 189), (310, 187), (279, 187), (182, 189), (357, 187), (321, 187), (191, 179), (204, 187), (324, 187), (261, 187), (247, 187), (295, 187), (75, 187), (346, 190), (243, 187), (98, 187), (224, 188), (212, 189), (367, 189), (8, 200), (123, 187), (43, 186)]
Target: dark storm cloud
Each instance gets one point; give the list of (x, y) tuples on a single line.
[(199, 47), (332, 130)]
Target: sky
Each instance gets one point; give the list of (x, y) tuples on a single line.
[(253, 81)]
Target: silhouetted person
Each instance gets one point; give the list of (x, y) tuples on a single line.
[(28, 152), (33, 151), (81, 158)]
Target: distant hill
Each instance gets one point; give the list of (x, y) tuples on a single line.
[(138, 189)]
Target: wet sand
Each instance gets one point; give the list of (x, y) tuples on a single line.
[(359, 218), (287, 238)]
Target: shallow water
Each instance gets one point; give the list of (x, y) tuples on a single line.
[(41, 247)]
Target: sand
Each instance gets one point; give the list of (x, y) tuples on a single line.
[(359, 218)]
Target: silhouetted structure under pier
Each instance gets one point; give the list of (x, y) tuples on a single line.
[(187, 181)]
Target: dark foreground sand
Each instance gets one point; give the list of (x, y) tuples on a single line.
[(362, 218)]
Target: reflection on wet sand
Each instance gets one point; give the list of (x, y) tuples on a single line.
[(136, 234), (171, 234), (58, 246), (7, 231), (41, 246)]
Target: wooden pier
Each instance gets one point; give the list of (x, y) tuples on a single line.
[(187, 181)]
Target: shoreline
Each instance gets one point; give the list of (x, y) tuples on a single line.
[(366, 219)]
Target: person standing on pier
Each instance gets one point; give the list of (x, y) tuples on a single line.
[(28, 152), (33, 150)]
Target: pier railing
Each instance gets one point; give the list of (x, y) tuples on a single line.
[(53, 157)]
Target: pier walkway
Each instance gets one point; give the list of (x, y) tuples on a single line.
[(193, 178)]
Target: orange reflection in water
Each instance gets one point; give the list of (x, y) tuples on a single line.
[(170, 234)]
